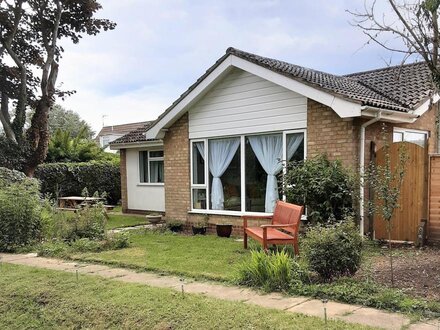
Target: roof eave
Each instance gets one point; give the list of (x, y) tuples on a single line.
[(390, 115), (140, 144)]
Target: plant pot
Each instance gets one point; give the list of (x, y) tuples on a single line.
[(224, 230), (176, 228), (199, 230), (154, 219)]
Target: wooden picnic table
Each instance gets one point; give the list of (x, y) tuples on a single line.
[(75, 202)]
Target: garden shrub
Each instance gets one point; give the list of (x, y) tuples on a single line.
[(8, 176), (272, 271), (324, 186), (117, 241), (88, 222), (64, 179), (20, 208), (334, 250)]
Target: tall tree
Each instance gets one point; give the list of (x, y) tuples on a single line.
[(66, 120), (30, 33)]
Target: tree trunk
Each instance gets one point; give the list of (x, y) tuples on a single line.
[(38, 136), (390, 246)]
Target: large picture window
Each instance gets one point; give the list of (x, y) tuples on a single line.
[(241, 173), (151, 168)]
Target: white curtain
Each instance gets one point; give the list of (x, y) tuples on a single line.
[(201, 148), (156, 171), (221, 153), (269, 151)]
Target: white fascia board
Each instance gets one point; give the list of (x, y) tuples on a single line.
[(389, 115), (134, 145), (343, 108), (155, 131), (425, 105)]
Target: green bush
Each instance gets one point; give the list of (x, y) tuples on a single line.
[(272, 271), (324, 186), (64, 179), (8, 176), (88, 222), (20, 208), (117, 241), (335, 250)]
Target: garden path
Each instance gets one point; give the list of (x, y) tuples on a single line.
[(302, 305)]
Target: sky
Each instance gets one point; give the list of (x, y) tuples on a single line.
[(159, 48)]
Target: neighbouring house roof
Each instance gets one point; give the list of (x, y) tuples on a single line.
[(120, 129), (400, 88), (135, 136)]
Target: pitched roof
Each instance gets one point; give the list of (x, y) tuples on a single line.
[(135, 136), (120, 129), (399, 88)]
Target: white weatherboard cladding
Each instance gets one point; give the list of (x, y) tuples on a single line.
[(243, 103), (142, 196)]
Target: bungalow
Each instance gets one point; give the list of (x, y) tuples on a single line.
[(217, 149)]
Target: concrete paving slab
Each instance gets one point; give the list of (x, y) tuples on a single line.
[(276, 301), (89, 269), (7, 257), (430, 325), (376, 318), (315, 307), (114, 272)]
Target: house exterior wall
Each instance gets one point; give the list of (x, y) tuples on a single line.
[(177, 170), (243, 103), (327, 133), (140, 196), (123, 170)]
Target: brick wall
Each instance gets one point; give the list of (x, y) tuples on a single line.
[(177, 170), (329, 134), (123, 170)]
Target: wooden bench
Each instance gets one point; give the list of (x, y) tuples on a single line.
[(283, 229)]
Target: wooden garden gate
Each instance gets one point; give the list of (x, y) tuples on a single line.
[(414, 193), (434, 199)]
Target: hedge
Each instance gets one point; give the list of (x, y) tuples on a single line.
[(8, 176), (69, 179)]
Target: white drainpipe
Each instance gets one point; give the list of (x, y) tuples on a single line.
[(362, 169)]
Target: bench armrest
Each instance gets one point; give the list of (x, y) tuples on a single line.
[(276, 226), (255, 217)]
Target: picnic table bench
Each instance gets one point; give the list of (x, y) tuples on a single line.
[(77, 202)]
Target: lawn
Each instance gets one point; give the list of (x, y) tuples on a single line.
[(35, 298), (118, 220), (208, 257)]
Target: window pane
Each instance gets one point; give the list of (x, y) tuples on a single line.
[(417, 138), (198, 163), (156, 154), (397, 137), (256, 179), (224, 163), (143, 166), (199, 199), (156, 171), (295, 147)]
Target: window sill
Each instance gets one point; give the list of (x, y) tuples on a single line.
[(236, 213), (146, 184)]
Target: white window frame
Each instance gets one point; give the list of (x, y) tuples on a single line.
[(242, 171), (405, 131), (149, 168)]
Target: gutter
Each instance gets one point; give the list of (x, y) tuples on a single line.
[(362, 169)]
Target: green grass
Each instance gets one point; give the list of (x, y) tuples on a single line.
[(41, 299), (119, 221), (208, 257)]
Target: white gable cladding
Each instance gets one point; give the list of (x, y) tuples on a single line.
[(243, 103)]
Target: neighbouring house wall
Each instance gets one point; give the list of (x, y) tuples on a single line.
[(177, 170), (123, 169), (327, 133), (141, 196), (243, 103)]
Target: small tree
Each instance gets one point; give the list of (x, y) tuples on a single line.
[(385, 181)]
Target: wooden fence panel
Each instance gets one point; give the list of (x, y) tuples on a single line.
[(413, 195), (434, 199)]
